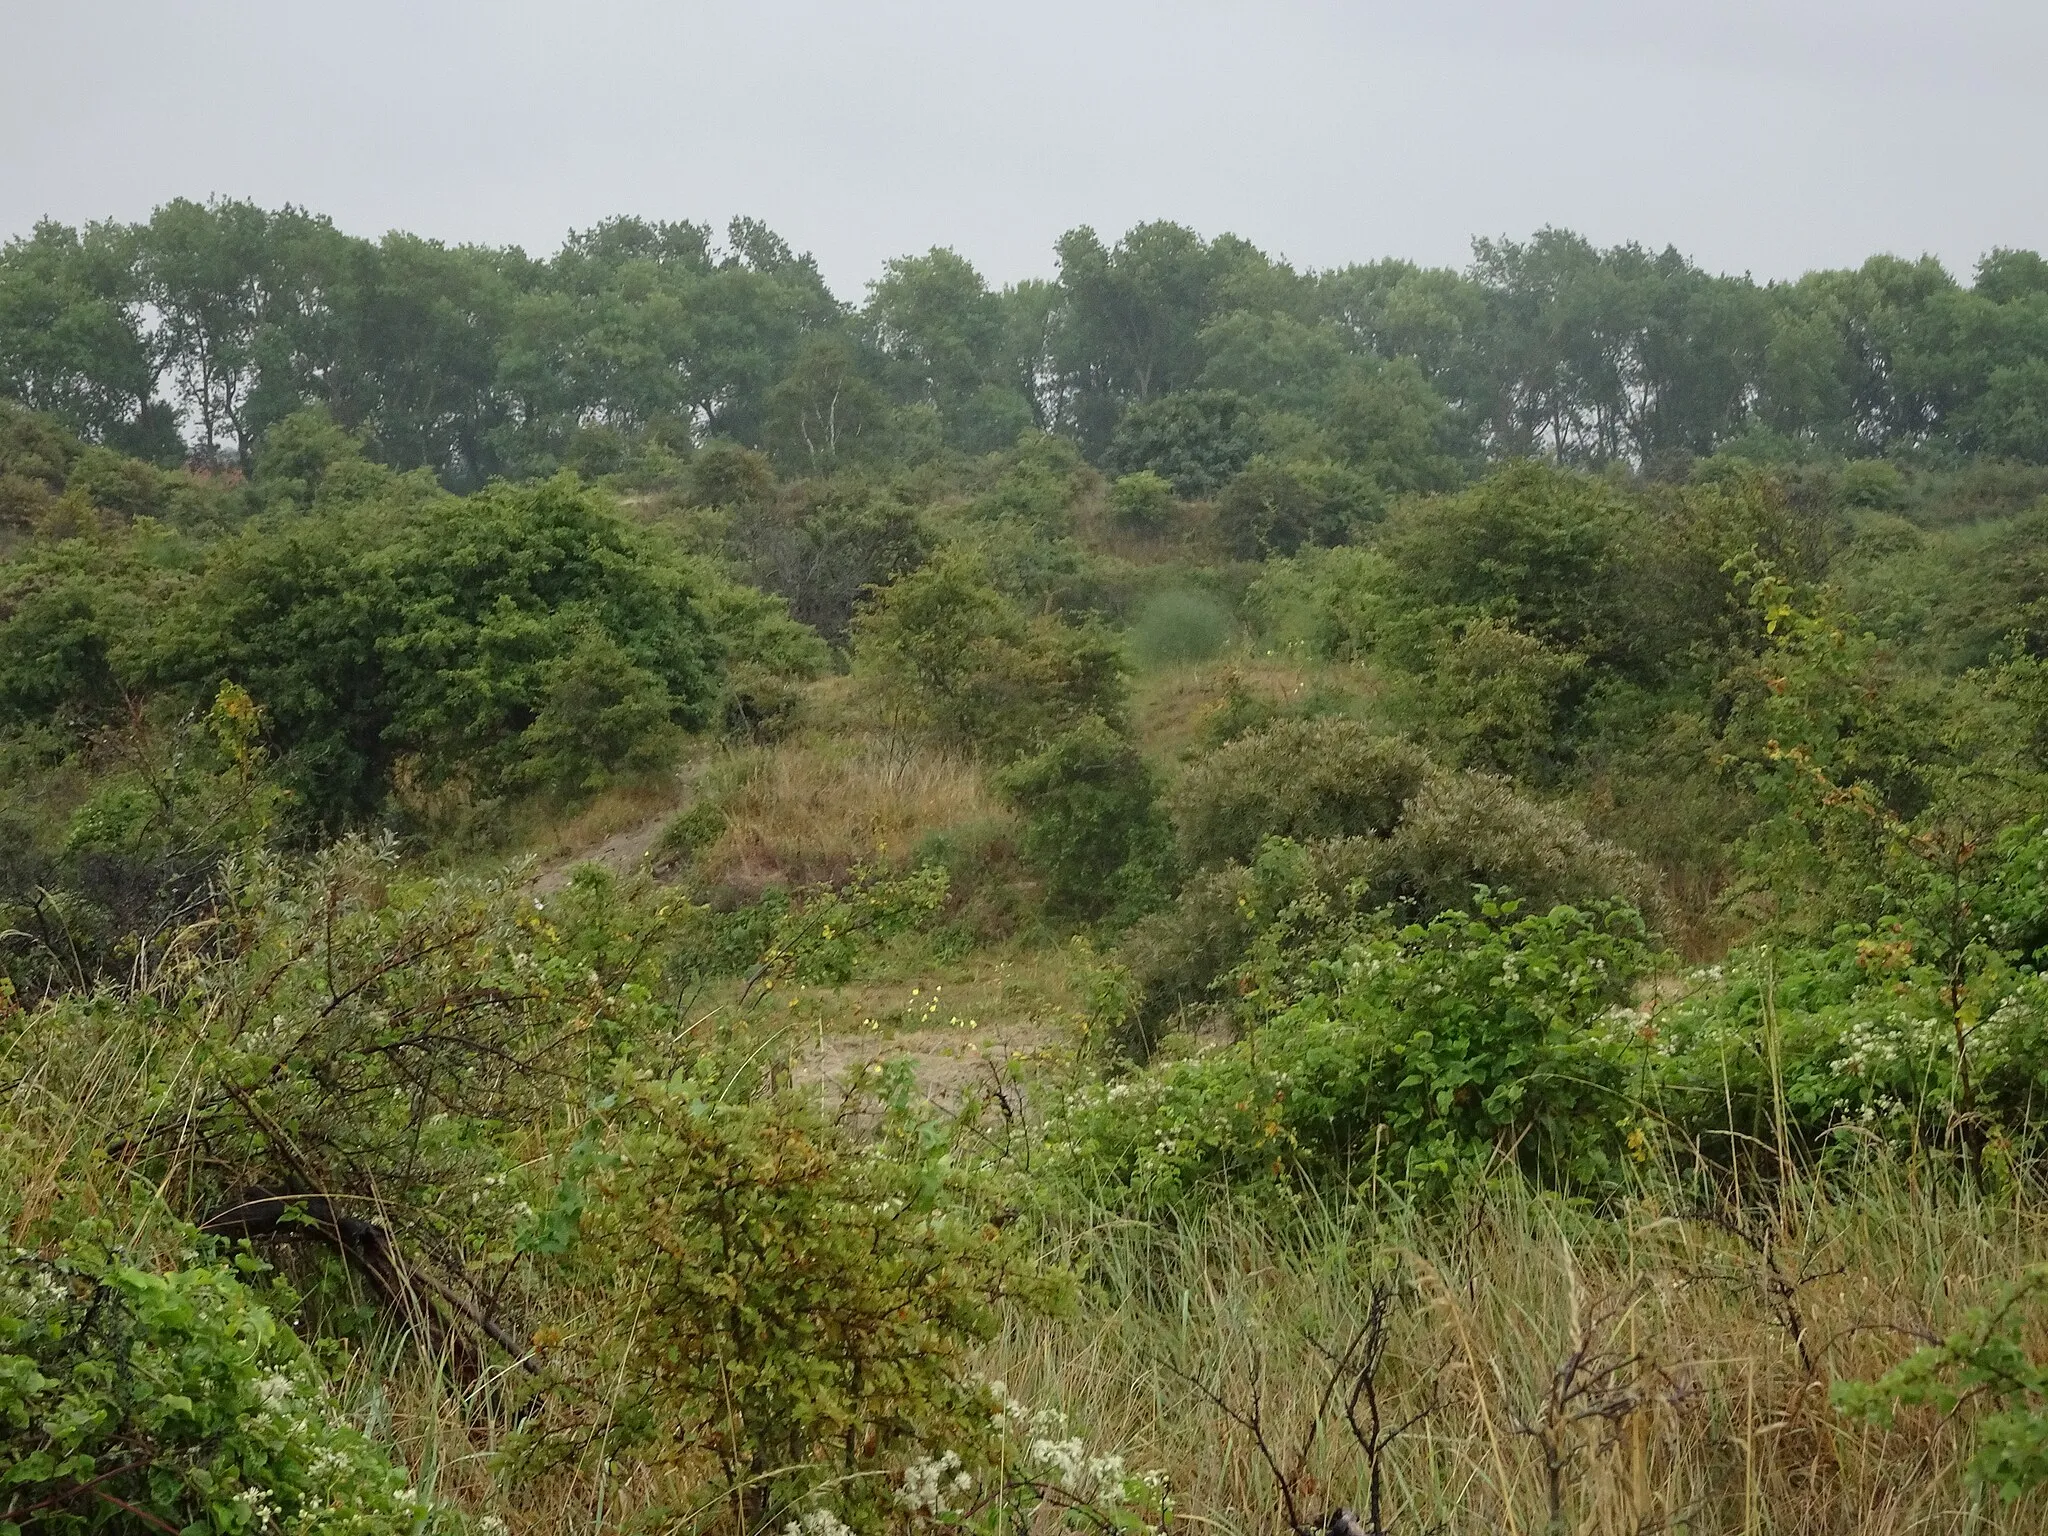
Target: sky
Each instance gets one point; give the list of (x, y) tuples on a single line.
[(1767, 136)]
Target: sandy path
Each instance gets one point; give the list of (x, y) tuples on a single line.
[(950, 1063)]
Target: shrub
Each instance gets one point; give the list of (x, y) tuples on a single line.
[(1301, 779), (947, 654), (825, 545), (139, 856), (1276, 508), (1985, 1359), (1412, 1054), (347, 1041), (1821, 1050), (1035, 489), (300, 453), (724, 474), (1092, 826), (603, 718), (1173, 963), (1871, 483), (173, 1399), (1180, 626), (113, 483), (1341, 605), (782, 1309), (1453, 834), (1495, 698), (1141, 503), (768, 657), (438, 637), (72, 617), (1465, 830), (1544, 549)]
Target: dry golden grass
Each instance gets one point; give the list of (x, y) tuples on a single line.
[(810, 811), (1175, 706), (1691, 1410), (1699, 1402)]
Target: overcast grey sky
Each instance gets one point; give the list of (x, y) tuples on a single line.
[(1762, 135)]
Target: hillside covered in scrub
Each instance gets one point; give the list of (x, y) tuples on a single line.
[(635, 899)]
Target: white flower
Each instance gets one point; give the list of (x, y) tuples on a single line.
[(925, 1482), (1065, 1457), (275, 1390), (817, 1522), (261, 1505)]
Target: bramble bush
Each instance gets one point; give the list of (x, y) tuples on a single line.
[(132, 1396), (1411, 1054)]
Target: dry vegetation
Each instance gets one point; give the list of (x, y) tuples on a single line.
[(1671, 1364), (810, 811)]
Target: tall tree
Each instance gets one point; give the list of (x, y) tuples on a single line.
[(72, 341)]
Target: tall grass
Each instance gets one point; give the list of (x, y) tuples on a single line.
[(811, 811), (1180, 626), (1661, 1364), (1653, 1367)]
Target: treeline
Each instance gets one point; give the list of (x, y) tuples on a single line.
[(191, 335)]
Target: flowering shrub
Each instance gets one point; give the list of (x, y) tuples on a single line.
[(1024, 1468), (1860, 1038), (1410, 1053), (176, 1401)]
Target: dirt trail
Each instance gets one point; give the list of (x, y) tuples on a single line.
[(949, 1062), (623, 853)]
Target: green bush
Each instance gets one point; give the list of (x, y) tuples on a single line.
[(1871, 483), (82, 902), (1036, 484), (783, 1311), (1180, 626), (1194, 439), (768, 657), (946, 653), (1453, 834), (1469, 829), (303, 454), (75, 620), (1141, 503), (601, 718), (443, 642), (1409, 1054), (1277, 508), (1543, 549), (1340, 605), (1495, 699), (825, 544), (1093, 831), (173, 1399), (1986, 1360), (725, 474), (1300, 779)]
